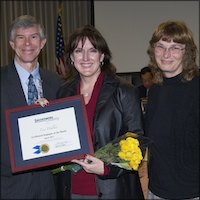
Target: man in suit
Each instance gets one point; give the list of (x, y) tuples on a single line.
[(147, 81), (27, 38)]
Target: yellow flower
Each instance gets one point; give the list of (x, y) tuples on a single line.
[(122, 155), (124, 147), (133, 165), (130, 151), (132, 141)]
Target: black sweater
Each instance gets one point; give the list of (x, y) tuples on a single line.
[(172, 122)]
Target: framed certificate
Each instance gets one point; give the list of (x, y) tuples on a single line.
[(44, 136)]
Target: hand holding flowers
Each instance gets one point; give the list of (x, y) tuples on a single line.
[(126, 152), (91, 164)]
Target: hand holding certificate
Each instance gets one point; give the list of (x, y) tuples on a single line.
[(54, 134)]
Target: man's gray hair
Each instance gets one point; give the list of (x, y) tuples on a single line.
[(25, 21)]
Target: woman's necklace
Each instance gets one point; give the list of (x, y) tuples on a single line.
[(86, 91), (86, 94)]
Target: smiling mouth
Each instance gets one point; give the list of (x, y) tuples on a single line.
[(28, 51), (86, 65), (166, 62)]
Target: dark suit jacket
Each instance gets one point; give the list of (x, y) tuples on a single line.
[(37, 184), (142, 91)]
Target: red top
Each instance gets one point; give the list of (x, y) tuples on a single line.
[(84, 183)]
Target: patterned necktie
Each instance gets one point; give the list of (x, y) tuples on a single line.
[(32, 91)]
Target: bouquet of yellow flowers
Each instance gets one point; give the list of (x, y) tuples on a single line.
[(126, 152)]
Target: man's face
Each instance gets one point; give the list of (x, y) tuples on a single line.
[(27, 45), (147, 80)]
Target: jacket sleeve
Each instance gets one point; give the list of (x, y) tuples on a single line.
[(115, 172), (128, 102)]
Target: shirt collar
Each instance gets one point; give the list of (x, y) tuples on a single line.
[(24, 74)]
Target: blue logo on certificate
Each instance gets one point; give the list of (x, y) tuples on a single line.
[(44, 148)]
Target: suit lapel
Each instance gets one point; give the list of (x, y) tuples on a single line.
[(46, 85), (107, 90), (15, 91)]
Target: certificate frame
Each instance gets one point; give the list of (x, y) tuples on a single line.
[(14, 133)]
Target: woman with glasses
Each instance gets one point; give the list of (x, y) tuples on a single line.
[(172, 116)]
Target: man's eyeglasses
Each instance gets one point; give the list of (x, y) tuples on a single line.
[(173, 49)]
